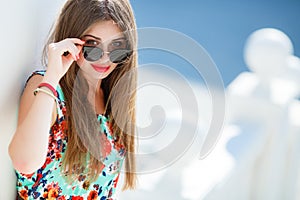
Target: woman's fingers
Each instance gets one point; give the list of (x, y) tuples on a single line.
[(71, 45), (62, 54), (75, 47), (76, 40)]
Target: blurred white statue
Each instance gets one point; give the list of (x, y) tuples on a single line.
[(269, 55), (259, 108)]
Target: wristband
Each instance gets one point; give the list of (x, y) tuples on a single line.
[(50, 87), (46, 92)]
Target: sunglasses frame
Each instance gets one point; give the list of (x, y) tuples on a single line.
[(125, 56)]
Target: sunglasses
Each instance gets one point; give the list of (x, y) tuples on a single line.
[(118, 50)]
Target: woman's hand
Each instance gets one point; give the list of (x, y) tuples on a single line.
[(58, 63)]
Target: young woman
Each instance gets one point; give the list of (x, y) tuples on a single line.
[(76, 121)]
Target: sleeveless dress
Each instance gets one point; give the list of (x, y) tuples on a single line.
[(48, 183)]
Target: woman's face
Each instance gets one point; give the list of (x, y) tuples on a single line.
[(107, 36)]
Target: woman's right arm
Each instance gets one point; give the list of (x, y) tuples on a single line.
[(29, 145), (28, 148)]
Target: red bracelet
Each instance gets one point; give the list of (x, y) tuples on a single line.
[(50, 87)]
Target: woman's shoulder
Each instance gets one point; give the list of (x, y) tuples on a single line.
[(30, 78), (36, 72), (35, 78)]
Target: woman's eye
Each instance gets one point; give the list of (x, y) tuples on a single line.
[(91, 42), (118, 44)]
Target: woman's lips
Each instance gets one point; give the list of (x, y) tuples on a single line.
[(100, 69)]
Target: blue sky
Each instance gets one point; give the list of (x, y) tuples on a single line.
[(221, 27)]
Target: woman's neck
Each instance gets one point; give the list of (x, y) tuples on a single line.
[(96, 96)]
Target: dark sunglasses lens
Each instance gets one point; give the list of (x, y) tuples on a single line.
[(119, 55), (92, 53)]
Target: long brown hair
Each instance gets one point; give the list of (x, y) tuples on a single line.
[(75, 18)]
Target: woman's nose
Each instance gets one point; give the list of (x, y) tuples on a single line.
[(104, 58)]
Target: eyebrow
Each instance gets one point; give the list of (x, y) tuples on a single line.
[(92, 36), (97, 38)]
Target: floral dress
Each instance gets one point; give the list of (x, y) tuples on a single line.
[(47, 183)]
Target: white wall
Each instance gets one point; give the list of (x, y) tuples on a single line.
[(24, 25)]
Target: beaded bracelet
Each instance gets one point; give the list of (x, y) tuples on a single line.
[(46, 92), (50, 87)]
